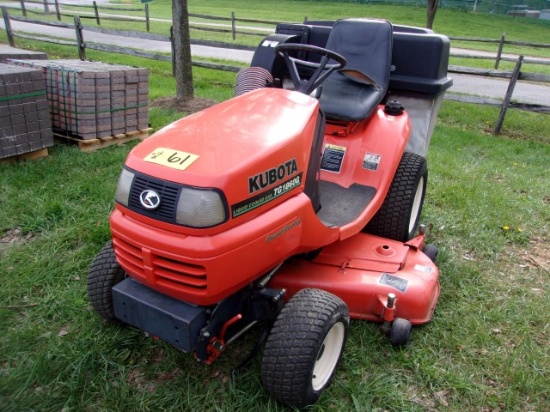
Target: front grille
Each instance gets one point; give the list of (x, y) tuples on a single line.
[(168, 193), (176, 275), (172, 272), (129, 256)]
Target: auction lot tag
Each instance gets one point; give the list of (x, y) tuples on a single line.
[(171, 158)]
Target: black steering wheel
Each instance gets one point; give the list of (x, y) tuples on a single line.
[(322, 69)]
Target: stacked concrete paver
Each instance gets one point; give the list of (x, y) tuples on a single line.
[(7, 53), (92, 100), (25, 124)]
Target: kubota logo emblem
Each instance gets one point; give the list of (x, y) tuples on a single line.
[(149, 199)]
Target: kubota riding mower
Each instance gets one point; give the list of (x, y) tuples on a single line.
[(294, 205)]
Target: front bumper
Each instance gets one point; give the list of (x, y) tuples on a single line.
[(173, 321)]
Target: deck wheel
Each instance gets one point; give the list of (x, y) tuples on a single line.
[(400, 332)]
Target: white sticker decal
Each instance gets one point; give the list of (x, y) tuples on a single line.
[(371, 161), (422, 268)]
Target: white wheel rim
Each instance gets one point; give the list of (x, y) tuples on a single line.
[(416, 204), (328, 356)]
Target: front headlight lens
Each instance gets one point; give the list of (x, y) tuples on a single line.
[(122, 194), (200, 208)]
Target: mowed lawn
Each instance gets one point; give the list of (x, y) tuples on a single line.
[(487, 348)]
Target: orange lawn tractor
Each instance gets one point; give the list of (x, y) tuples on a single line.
[(294, 205)]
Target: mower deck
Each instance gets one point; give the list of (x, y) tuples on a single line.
[(362, 271)]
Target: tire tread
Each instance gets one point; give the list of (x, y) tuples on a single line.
[(295, 335)]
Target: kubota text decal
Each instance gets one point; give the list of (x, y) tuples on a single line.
[(266, 196), (271, 176)]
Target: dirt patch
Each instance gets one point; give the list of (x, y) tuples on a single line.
[(136, 378), (15, 235), (11, 237), (526, 266), (190, 106), (538, 254)]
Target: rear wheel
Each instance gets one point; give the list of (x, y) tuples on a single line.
[(104, 274), (399, 215), (304, 347)]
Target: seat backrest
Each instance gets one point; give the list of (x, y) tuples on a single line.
[(367, 47)]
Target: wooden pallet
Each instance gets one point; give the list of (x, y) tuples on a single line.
[(88, 145), (37, 154)]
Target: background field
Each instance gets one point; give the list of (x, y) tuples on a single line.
[(488, 207)]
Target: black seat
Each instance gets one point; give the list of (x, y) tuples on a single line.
[(353, 93)]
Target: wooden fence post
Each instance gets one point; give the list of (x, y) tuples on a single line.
[(147, 17), (499, 52), (23, 7), (173, 48), (96, 11), (57, 10), (7, 25), (80, 38), (46, 7), (233, 25), (508, 97)]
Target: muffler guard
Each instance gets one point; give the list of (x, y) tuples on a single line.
[(173, 321), (363, 270)]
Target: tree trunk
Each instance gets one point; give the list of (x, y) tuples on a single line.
[(182, 50), (431, 9)]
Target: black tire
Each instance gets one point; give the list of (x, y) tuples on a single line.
[(400, 332), (105, 272), (399, 215), (431, 251), (304, 347)]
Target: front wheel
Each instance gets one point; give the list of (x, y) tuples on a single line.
[(104, 274), (399, 215), (305, 347)]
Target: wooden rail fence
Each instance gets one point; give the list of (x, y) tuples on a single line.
[(514, 76), (94, 14)]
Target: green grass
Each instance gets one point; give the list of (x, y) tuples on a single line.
[(486, 347), (488, 209)]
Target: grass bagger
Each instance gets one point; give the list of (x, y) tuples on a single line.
[(294, 204)]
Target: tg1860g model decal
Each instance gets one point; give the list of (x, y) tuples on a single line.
[(266, 196)]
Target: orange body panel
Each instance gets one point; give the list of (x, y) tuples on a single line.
[(236, 140), (204, 269), (387, 139), (362, 271), (237, 145)]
